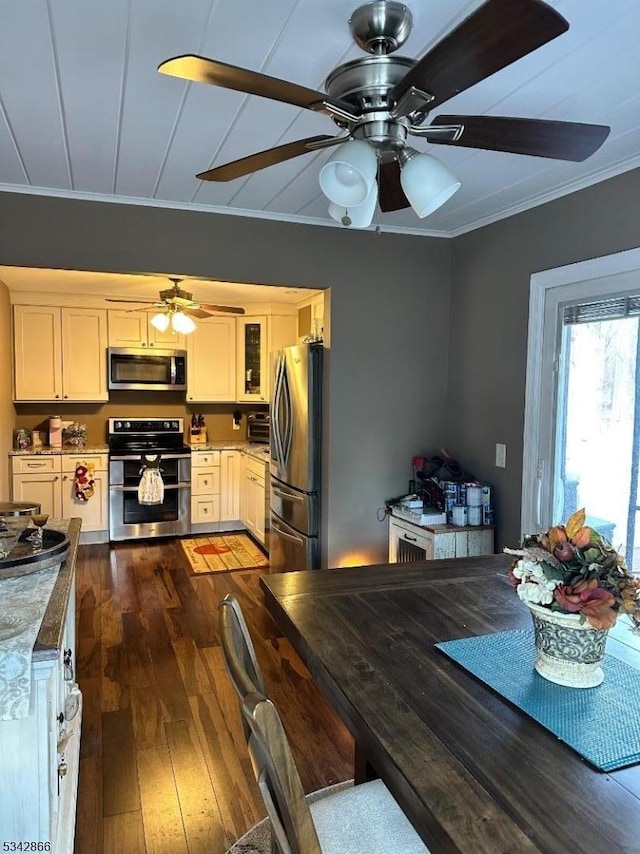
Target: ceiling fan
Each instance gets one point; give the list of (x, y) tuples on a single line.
[(382, 99), (178, 307)]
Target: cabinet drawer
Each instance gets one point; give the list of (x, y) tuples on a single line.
[(256, 467), (205, 509), (205, 481), (205, 459), (70, 462), (36, 464)]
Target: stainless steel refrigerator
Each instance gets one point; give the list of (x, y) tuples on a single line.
[(296, 413)]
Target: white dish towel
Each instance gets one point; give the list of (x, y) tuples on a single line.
[(151, 486)]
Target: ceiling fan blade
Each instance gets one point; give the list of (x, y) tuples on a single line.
[(195, 312), (391, 196), (226, 309), (139, 301), (255, 162), (492, 37), (538, 137), (202, 70)]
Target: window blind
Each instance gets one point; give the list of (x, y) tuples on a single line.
[(609, 309)]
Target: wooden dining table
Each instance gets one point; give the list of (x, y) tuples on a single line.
[(471, 771)]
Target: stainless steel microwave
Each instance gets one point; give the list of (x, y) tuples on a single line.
[(137, 369)]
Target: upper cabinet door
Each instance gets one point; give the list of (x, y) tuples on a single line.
[(127, 328), (252, 360), (37, 353), (211, 361), (167, 340), (84, 354), (133, 329)]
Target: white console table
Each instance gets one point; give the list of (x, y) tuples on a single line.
[(409, 542)]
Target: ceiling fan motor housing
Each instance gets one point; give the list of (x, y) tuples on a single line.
[(381, 27)]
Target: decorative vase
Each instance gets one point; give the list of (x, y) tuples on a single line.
[(570, 652)]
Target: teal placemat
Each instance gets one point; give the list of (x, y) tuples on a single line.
[(602, 724)]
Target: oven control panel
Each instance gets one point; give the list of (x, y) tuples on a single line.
[(145, 425)]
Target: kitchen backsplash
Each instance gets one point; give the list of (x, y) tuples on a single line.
[(126, 404)]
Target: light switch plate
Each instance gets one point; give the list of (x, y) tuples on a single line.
[(501, 455)]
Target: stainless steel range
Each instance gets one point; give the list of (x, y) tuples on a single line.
[(133, 445)]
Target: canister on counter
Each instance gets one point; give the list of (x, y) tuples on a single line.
[(459, 515), (55, 431), (474, 495), (474, 515), (450, 495)]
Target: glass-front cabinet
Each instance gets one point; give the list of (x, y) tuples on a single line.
[(252, 359)]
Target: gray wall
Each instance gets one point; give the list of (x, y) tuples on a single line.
[(489, 316), (7, 412), (389, 324)]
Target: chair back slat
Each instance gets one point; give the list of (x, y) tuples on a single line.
[(239, 653), (278, 778), (271, 758)]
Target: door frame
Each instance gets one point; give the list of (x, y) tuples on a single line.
[(542, 286)]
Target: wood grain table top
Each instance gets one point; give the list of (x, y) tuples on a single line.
[(472, 772)]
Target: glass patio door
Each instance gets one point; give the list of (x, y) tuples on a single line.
[(582, 403), (597, 418)]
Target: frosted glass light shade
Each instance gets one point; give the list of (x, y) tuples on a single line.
[(347, 176), (182, 323), (160, 321), (361, 215), (427, 183)]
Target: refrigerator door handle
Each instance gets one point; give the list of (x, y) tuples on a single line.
[(287, 433), (288, 496), (276, 451), (275, 527)]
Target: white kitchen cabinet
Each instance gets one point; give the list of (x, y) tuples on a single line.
[(230, 487), (409, 542), (38, 480), (38, 802), (48, 480), (59, 353), (258, 337), (254, 510), (211, 361), (133, 329), (215, 491), (94, 512), (205, 491)]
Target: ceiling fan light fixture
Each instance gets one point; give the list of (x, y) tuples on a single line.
[(160, 321), (182, 323), (360, 216), (346, 178), (426, 182)]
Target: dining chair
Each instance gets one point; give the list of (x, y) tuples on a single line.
[(357, 820)]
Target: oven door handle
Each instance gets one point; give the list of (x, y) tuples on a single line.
[(171, 486), (135, 458)]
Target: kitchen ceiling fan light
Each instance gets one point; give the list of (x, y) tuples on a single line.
[(160, 321), (360, 216), (348, 175), (427, 183), (182, 323)]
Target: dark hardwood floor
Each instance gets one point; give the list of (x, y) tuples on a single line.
[(163, 761)]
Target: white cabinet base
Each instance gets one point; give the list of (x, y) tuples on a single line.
[(409, 542)]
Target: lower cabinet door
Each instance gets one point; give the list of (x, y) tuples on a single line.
[(43, 489), (205, 508), (95, 511)]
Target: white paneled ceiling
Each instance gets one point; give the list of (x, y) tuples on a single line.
[(83, 111)]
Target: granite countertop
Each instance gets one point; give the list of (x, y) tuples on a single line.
[(49, 639), (260, 451), (66, 449)]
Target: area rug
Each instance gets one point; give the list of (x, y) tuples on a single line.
[(222, 553), (257, 840)]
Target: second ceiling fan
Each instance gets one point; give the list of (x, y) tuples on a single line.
[(380, 100)]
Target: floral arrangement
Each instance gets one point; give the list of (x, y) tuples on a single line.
[(572, 569)]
